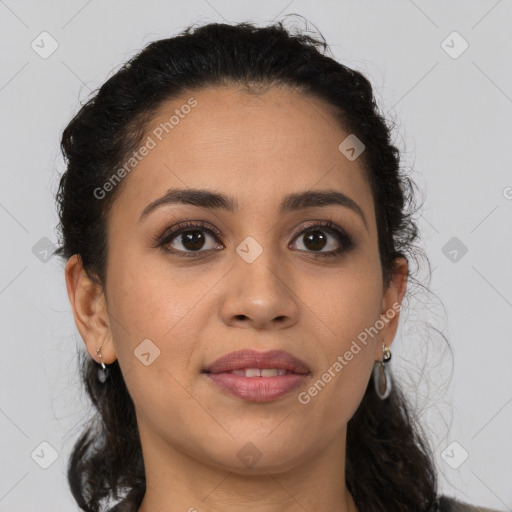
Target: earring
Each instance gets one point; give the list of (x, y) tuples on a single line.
[(103, 371), (381, 375)]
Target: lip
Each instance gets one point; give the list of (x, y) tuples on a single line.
[(257, 389), (252, 359)]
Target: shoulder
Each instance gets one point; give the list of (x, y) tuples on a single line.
[(447, 504)]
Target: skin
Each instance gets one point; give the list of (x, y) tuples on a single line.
[(257, 148)]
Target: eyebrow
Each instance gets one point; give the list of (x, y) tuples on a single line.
[(216, 200)]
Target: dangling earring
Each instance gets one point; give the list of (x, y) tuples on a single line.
[(103, 371), (381, 376)]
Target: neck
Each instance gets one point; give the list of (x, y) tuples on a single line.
[(177, 482)]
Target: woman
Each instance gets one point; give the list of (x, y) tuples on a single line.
[(234, 222)]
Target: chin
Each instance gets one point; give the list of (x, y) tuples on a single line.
[(256, 455)]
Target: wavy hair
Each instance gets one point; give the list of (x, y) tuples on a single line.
[(388, 462)]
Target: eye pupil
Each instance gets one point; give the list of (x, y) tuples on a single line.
[(192, 240), (317, 238)]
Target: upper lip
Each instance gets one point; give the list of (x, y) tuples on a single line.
[(252, 359)]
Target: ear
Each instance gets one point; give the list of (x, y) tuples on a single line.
[(392, 304), (90, 311)]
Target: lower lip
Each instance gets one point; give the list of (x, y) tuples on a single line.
[(257, 389)]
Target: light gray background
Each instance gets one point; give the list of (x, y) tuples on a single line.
[(454, 126)]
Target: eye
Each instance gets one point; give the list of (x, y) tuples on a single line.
[(316, 237), (188, 238)]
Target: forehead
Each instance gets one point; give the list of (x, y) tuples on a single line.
[(255, 147)]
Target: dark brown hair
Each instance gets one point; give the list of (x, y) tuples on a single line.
[(388, 464)]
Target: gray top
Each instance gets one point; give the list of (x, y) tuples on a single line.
[(445, 504)]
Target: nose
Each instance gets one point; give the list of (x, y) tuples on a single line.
[(259, 295)]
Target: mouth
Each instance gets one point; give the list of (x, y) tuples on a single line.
[(257, 376), (251, 360), (259, 372)]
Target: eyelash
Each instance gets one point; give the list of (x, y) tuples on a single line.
[(160, 241)]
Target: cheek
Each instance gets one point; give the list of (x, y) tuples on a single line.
[(154, 325), (350, 308), (149, 297), (350, 304), (153, 300)]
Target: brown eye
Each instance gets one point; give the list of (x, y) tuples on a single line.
[(193, 240), (190, 239), (321, 235), (186, 239), (315, 240)]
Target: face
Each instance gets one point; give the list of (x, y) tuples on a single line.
[(266, 274)]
